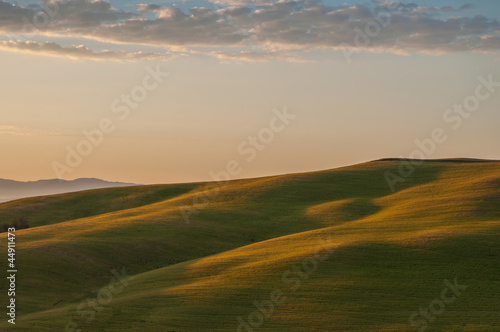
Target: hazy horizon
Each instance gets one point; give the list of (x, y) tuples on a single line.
[(124, 181)]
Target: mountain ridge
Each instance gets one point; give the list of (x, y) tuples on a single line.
[(13, 190)]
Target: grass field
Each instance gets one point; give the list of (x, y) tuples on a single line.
[(334, 250)]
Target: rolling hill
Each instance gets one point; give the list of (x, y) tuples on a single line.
[(334, 250)]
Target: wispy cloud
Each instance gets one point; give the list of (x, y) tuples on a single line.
[(77, 52), (249, 56), (23, 131)]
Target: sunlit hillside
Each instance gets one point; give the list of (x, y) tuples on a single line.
[(334, 250)]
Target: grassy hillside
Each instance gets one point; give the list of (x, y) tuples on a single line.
[(53, 209), (336, 250)]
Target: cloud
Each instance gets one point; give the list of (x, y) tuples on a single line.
[(242, 2), (23, 131), (467, 6), (59, 16), (249, 56), (76, 52), (282, 26)]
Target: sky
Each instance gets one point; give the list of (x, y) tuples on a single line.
[(184, 91)]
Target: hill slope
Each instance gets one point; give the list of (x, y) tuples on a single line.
[(336, 250)]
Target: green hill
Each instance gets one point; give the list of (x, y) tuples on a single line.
[(334, 250)]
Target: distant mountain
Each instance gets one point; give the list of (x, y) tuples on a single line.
[(11, 190)]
